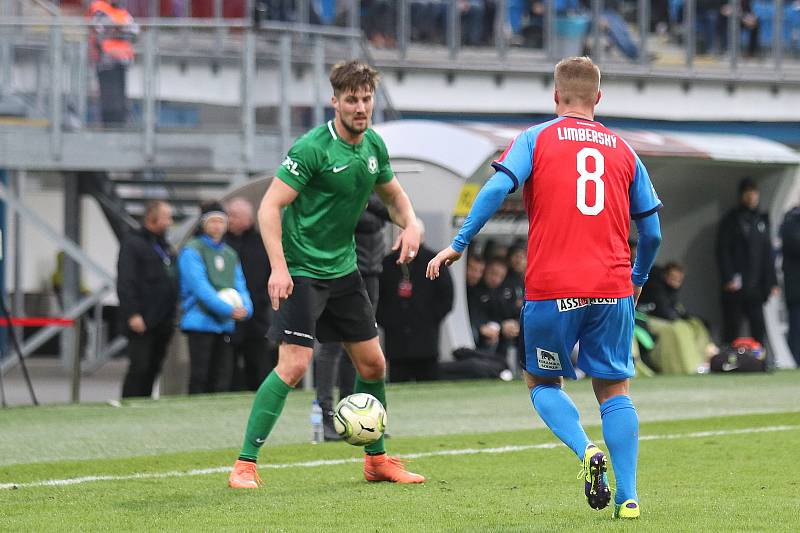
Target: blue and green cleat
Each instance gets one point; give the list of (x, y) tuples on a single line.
[(627, 509), (595, 480)]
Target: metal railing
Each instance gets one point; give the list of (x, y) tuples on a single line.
[(47, 63)]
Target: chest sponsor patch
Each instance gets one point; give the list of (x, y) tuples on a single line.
[(570, 304), (547, 360)]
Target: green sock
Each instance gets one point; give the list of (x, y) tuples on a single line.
[(376, 388), (267, 407)]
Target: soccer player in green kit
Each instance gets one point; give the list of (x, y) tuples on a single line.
[(322, 187)]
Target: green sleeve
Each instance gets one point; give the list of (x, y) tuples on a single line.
[(300, 165), (385, 172)]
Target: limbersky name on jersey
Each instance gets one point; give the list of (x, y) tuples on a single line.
[(569, 304), (587, 135)]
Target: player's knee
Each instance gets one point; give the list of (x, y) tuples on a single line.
[(373, 369), (533, 380), (293, 362)]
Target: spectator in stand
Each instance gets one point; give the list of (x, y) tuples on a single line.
[(473, 13), (112, 34), (254, 356), (428, 19), (148, 295), (206, 265), (411, 311), (379, 22), (746, 265), (790, 236)]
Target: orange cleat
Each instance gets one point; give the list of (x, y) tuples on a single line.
[(385, 468), (244, 476)]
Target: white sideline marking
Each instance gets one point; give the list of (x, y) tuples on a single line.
[(330, 462)]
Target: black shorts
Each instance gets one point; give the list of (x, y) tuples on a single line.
[(330, 310)]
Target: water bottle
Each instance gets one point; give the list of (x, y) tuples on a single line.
[(317, 434)]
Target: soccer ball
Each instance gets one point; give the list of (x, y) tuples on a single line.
[(360, 419), (231, 297)]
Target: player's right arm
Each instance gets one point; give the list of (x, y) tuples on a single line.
[(278, 196), (301, 164), (513, 167)]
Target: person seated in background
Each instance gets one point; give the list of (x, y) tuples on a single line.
[(496, 311), (515, 278), (475, 267), (660, 294), (683, 344)]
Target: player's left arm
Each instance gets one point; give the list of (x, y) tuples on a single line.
[(402, 213), (644, 206)]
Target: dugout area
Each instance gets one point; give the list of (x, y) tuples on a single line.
[(442, 166)]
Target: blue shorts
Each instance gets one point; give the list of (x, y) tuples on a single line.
[(603, 326)]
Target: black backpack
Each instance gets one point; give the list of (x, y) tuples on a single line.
[(739, 359)]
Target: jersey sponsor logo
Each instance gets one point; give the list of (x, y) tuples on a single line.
[(587, 135), (219, 262), (336, 170), (570, 304), (372, 164), (291, 165), (547, 360), (298, 334)]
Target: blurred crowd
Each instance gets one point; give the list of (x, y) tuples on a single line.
[(525, 22)]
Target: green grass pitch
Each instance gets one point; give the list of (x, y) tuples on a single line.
[(718, 453)]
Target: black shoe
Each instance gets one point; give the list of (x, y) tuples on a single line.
[(328, 431)]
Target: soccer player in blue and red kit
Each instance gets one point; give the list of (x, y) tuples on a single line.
[(581, 185)]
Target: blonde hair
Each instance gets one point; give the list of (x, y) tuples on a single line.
[(577, 80)]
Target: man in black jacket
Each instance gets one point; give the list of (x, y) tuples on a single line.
[(148, 294), (746, 265), (411, 311), (330, 367), (254, 355), (790, 237)]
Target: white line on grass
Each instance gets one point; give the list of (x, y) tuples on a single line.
[(330, 462)]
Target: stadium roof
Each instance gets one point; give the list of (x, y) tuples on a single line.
[(464, 147)]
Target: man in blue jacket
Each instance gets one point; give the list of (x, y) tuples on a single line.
[(207, 266)]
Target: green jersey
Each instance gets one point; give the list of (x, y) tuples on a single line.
[(334, 180)]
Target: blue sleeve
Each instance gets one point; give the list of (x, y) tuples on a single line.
[(643, 198), (517, 161), (195, 279), (649, 229), (489, 199), (241, 287)]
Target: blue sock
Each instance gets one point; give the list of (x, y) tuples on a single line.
[(561, 416), (621, 433)]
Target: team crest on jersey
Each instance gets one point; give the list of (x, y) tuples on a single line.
[(372, 164), (547, 360)]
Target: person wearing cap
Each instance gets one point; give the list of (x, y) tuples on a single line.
[(206, 266), (746, 265)]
